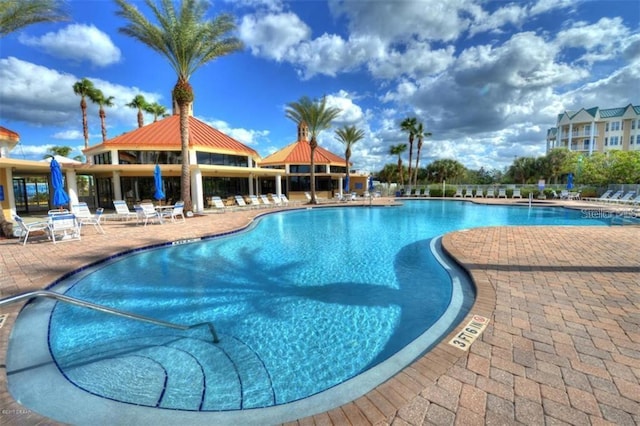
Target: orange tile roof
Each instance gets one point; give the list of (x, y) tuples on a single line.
[(300, 153), (165, 134), (9, 135)]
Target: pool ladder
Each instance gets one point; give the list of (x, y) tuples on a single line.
[(106, 309)]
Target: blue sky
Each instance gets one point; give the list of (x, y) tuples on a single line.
[(487, 78)]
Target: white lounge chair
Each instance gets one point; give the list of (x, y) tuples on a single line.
[(490, 193), (516, 193), (625, 198), (85, 217), (275, 199), (427, 192), (284, 200), (617, 195), (218, 204), (502, 193), (147, 212), (479, 192), (265, 201), (458, 192), (603, 197), (64, 227), (254, 202), (468, 192), (240, 201), (122, 211), (633, 201), (28, 228), (174, 213)]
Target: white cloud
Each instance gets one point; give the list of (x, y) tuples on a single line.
[(248, 137), (601, 41), (77, 42), (403, 20), (272, 35), (42, 96), (69, 135)]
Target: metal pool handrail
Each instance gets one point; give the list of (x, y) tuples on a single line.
[(105, 309)]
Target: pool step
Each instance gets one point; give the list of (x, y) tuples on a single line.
[(173, 372)]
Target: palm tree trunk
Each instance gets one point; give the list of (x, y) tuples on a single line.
[(185, 177), (415, 180), (141, 118), (102, 122), (313, 143), (410, 155), (85, 126)]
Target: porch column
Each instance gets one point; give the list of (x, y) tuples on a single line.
[(340, 186), (278, 185), (117, 187), (251, 189), (197, 191), (570, 135), (9, 195), (72, 187)]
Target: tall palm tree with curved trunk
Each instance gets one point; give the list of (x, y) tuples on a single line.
[(188, 40), (139, 103), (399, 150), (85, 89), (15, 15), (420, 135), (409, 125), (97, 97), (318, 117), (157, 110), (349, 135)]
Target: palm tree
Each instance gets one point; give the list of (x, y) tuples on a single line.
[(97, 97), (188, 40), (349, 135), (84, 88), (140, 104), (64, 151), (409, 125), (19, 14), (157, 110), (420, 135), (318, 117), (399, 150)]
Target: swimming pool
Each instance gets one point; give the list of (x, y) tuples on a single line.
[(338, 290)]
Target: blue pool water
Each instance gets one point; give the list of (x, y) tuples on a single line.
[(303, 301)]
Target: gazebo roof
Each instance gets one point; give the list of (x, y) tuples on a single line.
[(165, 134), (7, 135), (300, 153)]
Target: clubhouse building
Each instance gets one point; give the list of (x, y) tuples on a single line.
[(122, 168)]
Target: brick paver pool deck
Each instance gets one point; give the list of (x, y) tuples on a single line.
[(562, 345)]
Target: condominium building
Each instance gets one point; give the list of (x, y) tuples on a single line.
[(597, 130)]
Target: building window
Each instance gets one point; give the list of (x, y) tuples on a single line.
[(214, 159), (299, 168), (149, 157), (102, 158), (606, 141), (631, 140)]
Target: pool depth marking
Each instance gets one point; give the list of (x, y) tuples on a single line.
[(469, 333)]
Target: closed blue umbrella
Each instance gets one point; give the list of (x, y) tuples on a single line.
[(370, 183), (60, 197), (157, 178), (346, 184), (570, 181)]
